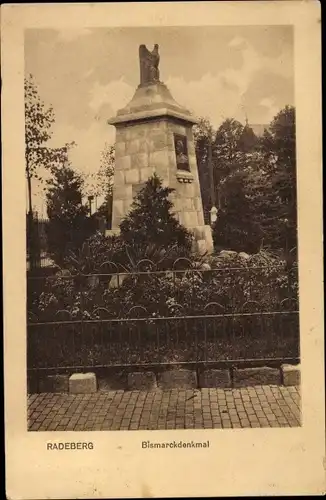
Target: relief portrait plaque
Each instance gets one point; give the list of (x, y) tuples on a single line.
[(181, 151)]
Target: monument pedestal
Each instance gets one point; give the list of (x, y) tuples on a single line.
[(154, 134)]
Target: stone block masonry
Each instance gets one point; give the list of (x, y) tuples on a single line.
[(291, 375), (215, 378), (185, 379), (82, 383), (256, 376), (140, 381), (287, 375), (132, 176), (145, 148)]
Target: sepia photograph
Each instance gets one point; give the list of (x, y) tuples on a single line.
[(162, 249), (161, 226)]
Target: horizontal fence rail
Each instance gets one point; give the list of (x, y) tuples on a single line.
[(141, 317), (162, 340)]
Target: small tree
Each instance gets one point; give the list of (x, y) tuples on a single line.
[(237, 227), (150, 220), (228, 147), (69, 224), (39, 119), (204, 137), (100, 184), (106, 170)]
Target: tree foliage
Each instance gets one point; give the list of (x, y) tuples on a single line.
[(279, 150), (69, 222), (106, 170), (39, 119), (204, 135), (238, 225), (100, 183), (226, 149), (38, 122), (150, 219), (228, 146), (258, 195)]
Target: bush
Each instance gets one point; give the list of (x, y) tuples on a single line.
[(150, 220), (96, 255), (261, 283), (102, 254), (229, 233)]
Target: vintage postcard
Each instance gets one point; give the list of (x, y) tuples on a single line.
[(162, 215)]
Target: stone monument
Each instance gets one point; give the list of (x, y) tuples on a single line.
[(154, 134)]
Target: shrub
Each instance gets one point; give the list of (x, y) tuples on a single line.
[(95, 253), (260, 283), (150, 220)]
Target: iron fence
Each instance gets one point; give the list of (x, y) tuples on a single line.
[(137, 318), (143, 341), (38, 255)]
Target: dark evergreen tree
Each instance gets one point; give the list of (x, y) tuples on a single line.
[(237, 227), (69, 222), (151, 221), (258, 196), (248, 140), (280, 212)]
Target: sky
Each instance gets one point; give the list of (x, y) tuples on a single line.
[(217, 72)]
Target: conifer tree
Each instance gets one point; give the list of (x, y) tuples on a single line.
[(69, 222), (150, 220)]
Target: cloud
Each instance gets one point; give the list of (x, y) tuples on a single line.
[(254, 61), (271, 108), (226, 93), (117, 94), (90, 142), (267, 102), (206, 97), (221, 95)]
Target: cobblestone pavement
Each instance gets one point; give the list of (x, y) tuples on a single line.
[(259, 406)]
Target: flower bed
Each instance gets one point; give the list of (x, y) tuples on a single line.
[(231, 309)]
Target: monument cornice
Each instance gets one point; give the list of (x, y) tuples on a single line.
[(149, 114), (150, 101)]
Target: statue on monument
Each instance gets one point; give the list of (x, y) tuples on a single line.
[(149, 61)]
